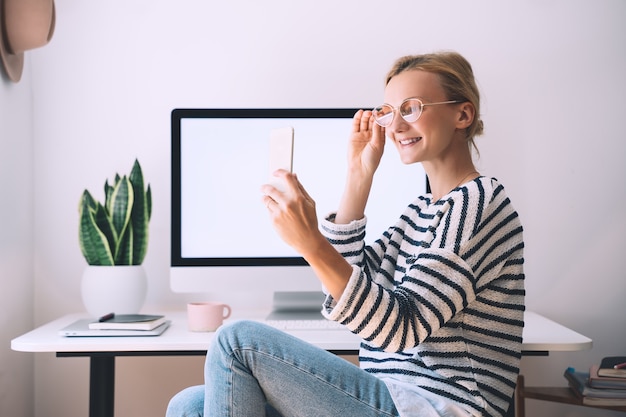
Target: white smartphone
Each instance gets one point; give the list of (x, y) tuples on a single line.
[(281, 153)]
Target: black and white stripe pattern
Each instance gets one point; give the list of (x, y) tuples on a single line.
[(439, 298)]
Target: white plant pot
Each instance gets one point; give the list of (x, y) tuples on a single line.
[(114, 289)]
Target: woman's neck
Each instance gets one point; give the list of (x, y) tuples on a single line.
[(443, 181)]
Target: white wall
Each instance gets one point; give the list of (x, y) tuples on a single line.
[(551, 74), (16, 243)]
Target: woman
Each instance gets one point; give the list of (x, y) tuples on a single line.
[(438, 299)]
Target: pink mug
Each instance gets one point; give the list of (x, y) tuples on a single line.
[(206, 317)]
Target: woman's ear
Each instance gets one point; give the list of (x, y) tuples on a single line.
[(466, 115)]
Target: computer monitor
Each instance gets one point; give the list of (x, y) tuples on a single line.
[(222, 241)]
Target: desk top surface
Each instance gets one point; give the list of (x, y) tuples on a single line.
[(540, 334)]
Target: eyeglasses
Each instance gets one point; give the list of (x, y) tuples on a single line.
[(410, 109)]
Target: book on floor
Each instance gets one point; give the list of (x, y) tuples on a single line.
[(128, 322)]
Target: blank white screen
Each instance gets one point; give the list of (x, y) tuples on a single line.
[(224, 162)]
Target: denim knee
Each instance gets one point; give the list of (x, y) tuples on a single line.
[(187, 403), (239, 334)]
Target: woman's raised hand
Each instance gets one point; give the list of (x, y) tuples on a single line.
[(365, 149), (366, 145)]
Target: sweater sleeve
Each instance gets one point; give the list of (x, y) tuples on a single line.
[(439, 285), (421, 273)]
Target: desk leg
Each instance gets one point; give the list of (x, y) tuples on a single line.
[(101, 386)]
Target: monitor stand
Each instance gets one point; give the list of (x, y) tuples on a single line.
[(297, 305)]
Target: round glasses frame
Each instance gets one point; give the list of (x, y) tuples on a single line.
[(381, 113)]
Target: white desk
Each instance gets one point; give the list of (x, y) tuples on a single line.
[(540, 337)]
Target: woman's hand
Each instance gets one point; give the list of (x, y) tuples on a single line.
[(365, 149), (293, 213), (366, 145)]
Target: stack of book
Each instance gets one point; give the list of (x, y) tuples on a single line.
[(117, 325), (603, 386), (114, 321)]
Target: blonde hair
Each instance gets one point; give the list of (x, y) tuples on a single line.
[(457, 79)]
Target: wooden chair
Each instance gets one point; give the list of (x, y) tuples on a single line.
[(562, 395)]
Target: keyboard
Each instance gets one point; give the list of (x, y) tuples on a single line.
[(320, 324)]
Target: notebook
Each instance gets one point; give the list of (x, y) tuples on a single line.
[(128, 322), (80, 328)]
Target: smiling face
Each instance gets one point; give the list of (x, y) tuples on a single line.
[(438, 133)]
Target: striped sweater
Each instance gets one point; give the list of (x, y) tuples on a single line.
[(439, 298)]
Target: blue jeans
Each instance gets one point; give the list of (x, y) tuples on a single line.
[(255, 370)]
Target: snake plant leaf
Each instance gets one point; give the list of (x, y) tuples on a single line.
[(93, 243), (149, 197), (141, 213), (120, 206), (105, 225), (108, 190), (88, 200), (124, 254), (116, 233)]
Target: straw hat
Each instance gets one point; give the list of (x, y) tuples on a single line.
[(24, 25)]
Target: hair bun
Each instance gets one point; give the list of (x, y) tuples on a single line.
[(480, 127)]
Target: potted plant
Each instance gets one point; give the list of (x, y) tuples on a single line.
[(113, 238)]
